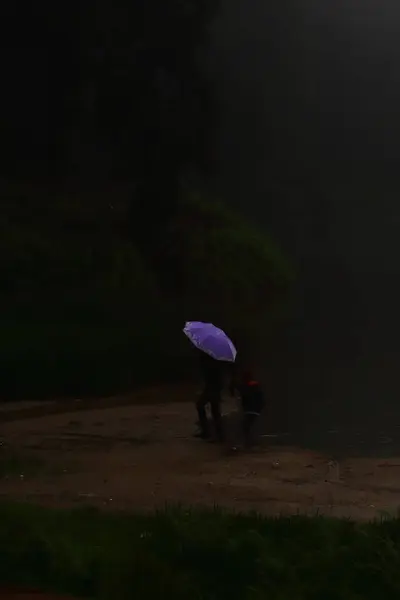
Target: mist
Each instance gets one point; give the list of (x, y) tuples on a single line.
[(309, 147)]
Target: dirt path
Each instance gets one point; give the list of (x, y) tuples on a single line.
[(140, 457), (15, 411)]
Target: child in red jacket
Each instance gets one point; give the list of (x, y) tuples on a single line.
[(252, 401)]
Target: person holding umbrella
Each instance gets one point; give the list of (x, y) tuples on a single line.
[(217, 352)]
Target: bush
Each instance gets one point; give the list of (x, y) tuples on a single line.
[(80, 309), (233, 274), (82, 313)]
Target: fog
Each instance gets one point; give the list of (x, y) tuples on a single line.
[(309, 146)]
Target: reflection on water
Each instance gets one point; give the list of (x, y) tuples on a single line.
[(344, 442), (334, 374)]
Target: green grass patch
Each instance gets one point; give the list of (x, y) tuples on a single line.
[(23, 465), (198, 554), (16, 464)]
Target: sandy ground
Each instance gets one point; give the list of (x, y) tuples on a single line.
[(141, 457)]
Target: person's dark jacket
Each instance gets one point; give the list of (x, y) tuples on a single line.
[(252, 396), (213, 372)]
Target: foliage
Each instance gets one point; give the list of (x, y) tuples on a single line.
[(94, 290), (228, 272), (80, 311), (113, 89), (203, 554), (83, 313)]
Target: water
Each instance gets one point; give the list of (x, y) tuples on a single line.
[(298, 156)]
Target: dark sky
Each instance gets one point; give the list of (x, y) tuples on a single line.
[(309, 145)]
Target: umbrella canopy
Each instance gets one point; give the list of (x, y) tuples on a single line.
[(211, 340)]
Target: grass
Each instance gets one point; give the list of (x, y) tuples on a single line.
[(13, 464), (198, 554), (24, 465)]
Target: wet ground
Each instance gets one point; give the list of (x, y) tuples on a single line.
[(135, 456)]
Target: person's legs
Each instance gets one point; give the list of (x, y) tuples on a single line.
[(201, 411), (216, 415), (249, 420)]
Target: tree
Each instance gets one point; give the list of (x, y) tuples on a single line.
[(219, 268), (111, 84), (155, 103)]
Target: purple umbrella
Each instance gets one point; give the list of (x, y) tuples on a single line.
[(211, 340)]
